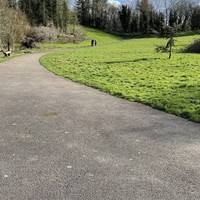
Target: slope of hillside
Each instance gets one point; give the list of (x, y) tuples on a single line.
[(101, 37), (132, 69)]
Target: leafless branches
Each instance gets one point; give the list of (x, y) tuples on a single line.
[(13, 24)]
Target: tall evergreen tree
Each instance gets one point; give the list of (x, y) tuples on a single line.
[(125, 17), (144, 16), (195, 19), (173, 18), (41, 12), (98, 8), (83, 8)]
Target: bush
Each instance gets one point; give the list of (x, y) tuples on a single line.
[(36, 37), (46, 33), (28, 43), (194, 47), (51, 34), (76, 32)]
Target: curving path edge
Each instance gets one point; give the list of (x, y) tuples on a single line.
[(61, 140)]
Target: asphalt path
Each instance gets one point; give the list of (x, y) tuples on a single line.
[(60, 140)]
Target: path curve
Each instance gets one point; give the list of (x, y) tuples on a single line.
[(61, 140)]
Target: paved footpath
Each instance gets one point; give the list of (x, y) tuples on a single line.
[(63, 141)]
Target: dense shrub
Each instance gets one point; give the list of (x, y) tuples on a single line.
[(34, 34), (28, 43), (193, 48), (77, 33), (48, 33), (51, 34)]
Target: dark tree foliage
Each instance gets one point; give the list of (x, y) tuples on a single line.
[(173, 18), (42, 12), (143, 18), (144, 9), (83, 11), (134, 25), (157, 21), (28, 43), (92, 13), (195, 19), (125, 17)]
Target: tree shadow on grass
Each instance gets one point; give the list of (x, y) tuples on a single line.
[(130, 61)]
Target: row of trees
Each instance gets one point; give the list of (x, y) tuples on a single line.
[(97, 13), (43, 12), (143, 17), (18, 17)]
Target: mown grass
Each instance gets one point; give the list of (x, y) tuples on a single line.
[(131, 69), (2, 59)]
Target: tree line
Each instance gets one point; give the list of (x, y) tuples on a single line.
[(143, 17), (42, 12), (17, 17)]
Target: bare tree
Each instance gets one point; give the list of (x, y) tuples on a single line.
[(13, 25)]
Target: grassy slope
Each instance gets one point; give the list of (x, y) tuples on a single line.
[(102, 38), (131, 69)]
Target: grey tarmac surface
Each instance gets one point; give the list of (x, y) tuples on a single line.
[(63, 141)]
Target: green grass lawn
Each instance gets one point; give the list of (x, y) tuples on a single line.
[(2, 59), (131, 69)]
